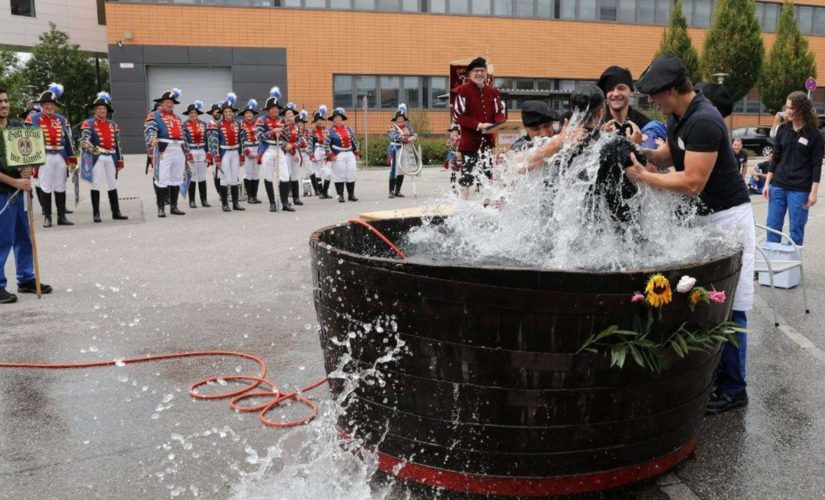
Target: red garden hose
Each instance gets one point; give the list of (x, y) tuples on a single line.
[(275, 396), (380, 236)]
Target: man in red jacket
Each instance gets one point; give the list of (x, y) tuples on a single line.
[(476, 107)]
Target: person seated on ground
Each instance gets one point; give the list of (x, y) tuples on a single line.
[(587, 102), (756, 182), (539, 121)]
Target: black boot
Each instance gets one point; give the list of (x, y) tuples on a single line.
[(46, 203), (351, 191), (40, 195), (325, 193), (399, 180), (224, 190), (296, 188), (160, 194), (283, 190), (247, 187), (115, 204), (192, 195), (60, 200), (202, 192), (253, 193), (96, 206), (316, 190), (174, 192), (339, 188), (392, 187), (235, 195), (270, 194)]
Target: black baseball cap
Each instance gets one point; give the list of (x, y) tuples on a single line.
[(663, 73)]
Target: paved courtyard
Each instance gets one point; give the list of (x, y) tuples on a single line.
[(241, 281)]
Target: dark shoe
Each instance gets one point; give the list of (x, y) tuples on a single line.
[(29, 287), (161, 212), (6, 297), (226, 208), (392, 194), (115, 204), (192, 204), (351, 191), (205, 204), (296, 189), (339, 188), (96, 206), (721, 402), (174, 193), (273, 207), (46, 204), (340, 198), (297, 202), (174, 210), (47, 221), (399, 181), (224, 191), (63, 221), (287, 208), (235, 197), (399, 195), (202, 192), (60, 199)]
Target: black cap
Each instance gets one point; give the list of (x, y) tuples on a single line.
[(478, 62), (586, 97), (613, 76), (535, 113), (718, 96), (663, 73)]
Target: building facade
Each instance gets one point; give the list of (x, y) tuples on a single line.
[(346, 52), (24, 20)]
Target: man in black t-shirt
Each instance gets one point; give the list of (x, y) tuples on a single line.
[(699, 148)]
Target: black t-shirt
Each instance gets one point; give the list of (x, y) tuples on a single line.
[(703, 130), (742, 158), (796, 161), (5, 188)]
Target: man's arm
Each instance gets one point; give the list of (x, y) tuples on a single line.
[(659, 156), (22, 184), (691, 181), (460, 115)]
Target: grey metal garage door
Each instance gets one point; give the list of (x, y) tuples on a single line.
[(208, 84)]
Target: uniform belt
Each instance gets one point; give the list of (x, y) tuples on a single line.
[(395, 144), (105, 152), (54, 149), (341, 149), (170, 141), (223, 146), (274, 143), (198, 145)]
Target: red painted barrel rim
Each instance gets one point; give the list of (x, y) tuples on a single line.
[(532, 486)]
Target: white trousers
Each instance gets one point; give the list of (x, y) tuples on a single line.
[(319, 163), (293, 164), (200, 167), (251, 169), (273, 164), (344, 167), (172, 166), (229, 174), (104, 174), (53, 174), (739, 220)]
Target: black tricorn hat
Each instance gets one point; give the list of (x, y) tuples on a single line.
[(31, 107), (663, 73), (338, 112), (290, 106), (215, 107), (229, 103), (170, 94), (320, 114), (401, 112), (478, 62), (251, 106), (718, 96), (54, 92), (195, 106), (535, 113), (274, 99), (102, 99)]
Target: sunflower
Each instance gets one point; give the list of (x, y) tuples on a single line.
[(658, 291)]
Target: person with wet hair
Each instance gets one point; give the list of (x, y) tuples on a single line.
[(539, 120), (706, 169)]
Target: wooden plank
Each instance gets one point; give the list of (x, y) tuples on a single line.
[(400, 213)]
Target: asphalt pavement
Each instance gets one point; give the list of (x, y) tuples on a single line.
[(241, 281)]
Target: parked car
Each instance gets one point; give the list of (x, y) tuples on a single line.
[(756, 139)]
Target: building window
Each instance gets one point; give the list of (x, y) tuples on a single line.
[(819, 21), (101, 12), (545, 9), (410, 5), (365, 86), (390, 5), (459, 6), (364, 4), (804, 17), (524, 8), (567, 9), (340, 4), (608, 10), (22, 8), (438, 6), (315, 4), (481, 7), (410, 91), (437, 87), (587, 10), (291, 3), (389, 91), (503, 8)]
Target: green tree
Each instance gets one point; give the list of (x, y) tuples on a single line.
[(55, 59), (11, 79), (676, 43), (420, 121), (789, 63), (733, 45)]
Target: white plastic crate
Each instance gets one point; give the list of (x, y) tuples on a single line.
[(779, 252)]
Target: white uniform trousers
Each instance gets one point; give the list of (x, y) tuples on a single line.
[(104, 174), (319, 163), (53, 174), (293, 164), (200, 167), (251, 169), (273, 163), (229, 174), (172, 166), (739, 220), (344, 167)]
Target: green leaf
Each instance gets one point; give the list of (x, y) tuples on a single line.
[(637, 357), (617, 355)]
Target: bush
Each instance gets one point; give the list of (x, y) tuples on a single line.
[(433, 150)]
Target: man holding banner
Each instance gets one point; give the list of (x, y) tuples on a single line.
[(100, 140), (14, 226)]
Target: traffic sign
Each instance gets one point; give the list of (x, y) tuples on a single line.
[(810, 84)]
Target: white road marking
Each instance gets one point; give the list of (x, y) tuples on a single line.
[(792, 333)]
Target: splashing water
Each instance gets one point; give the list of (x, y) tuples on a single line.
[(560, 217)]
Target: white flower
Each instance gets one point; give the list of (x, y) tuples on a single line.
[(685, 284)]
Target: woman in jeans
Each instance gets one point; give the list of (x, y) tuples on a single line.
[(793, 176)]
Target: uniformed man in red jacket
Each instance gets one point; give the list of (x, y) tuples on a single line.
[(476, 107)]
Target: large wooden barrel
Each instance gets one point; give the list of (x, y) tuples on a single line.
[(487, 393)]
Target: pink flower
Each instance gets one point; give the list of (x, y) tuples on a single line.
[(637, 297), (717, 297)]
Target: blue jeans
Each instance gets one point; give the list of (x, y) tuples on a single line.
[(732, 373), (781, 201), (14, 235)]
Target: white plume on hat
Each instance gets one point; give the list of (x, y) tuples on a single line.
[(56, 89), (275, 92), (232, 98), (198, 105)]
